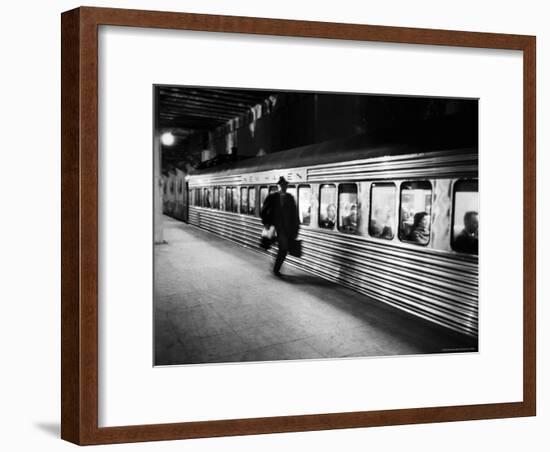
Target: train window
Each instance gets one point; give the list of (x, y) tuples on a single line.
[(244, 200), (234, 200), (164, 187), (199, 197), (465, 217), (216, 200), (207, 197), (171, 186), (180, 186), (304, 204), (415, 212), (192, 197), (292, 191), (382, 211), (263, 195), (252, 201), (327, 206), (222, 198), (348, 214), (228, 199)]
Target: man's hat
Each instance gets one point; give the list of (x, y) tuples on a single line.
[(282, 181)]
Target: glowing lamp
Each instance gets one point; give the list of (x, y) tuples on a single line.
[(167, 139)]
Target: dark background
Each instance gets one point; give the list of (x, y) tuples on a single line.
[(216, 124)]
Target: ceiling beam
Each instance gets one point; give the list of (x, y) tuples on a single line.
[(198, 114), (184, 106), (205, 99), (225, 95), (252, 95)]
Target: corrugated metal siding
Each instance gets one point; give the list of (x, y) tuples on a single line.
[(448, 163), (438, 286), (403, 167)]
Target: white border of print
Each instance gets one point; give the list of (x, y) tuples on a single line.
[(132, 392)]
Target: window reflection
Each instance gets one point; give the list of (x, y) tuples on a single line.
[(382, 211), (348, 215), (199, 197), (207, 197), (466, 217), (216, 202), (291, 189), (304, 204), (228, 200), (234, 200), (222, 198), (416, 205), (327, 206), (244, 200), (251, 201)]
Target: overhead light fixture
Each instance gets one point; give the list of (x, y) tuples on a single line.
[(167, 138)]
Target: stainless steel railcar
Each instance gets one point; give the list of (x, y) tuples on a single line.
[(356, 206)]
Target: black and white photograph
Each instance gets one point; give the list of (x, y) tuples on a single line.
[(255, 226), (295, 225)]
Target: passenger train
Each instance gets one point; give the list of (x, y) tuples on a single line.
[(397, 223)]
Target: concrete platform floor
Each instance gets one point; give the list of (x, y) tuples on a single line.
[(217, 302)]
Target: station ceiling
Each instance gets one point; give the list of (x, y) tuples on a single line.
[(186, 110)]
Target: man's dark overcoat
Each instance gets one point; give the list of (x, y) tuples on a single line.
[(280, 210)]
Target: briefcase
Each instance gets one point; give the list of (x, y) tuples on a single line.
[(267, 237), (295, 248)]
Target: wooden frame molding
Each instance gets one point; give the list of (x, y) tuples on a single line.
[(79, 215)]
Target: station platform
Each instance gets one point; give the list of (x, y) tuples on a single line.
[(218, 302)]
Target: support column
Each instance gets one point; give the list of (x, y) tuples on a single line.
[(157, 173)]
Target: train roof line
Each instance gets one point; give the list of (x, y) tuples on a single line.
[(359, 147)]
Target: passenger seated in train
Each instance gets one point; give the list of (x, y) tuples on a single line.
[(328, 218), (467, 240), (380, 225), (406, 222), (420, 231), (306, 215), (349, 222)]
